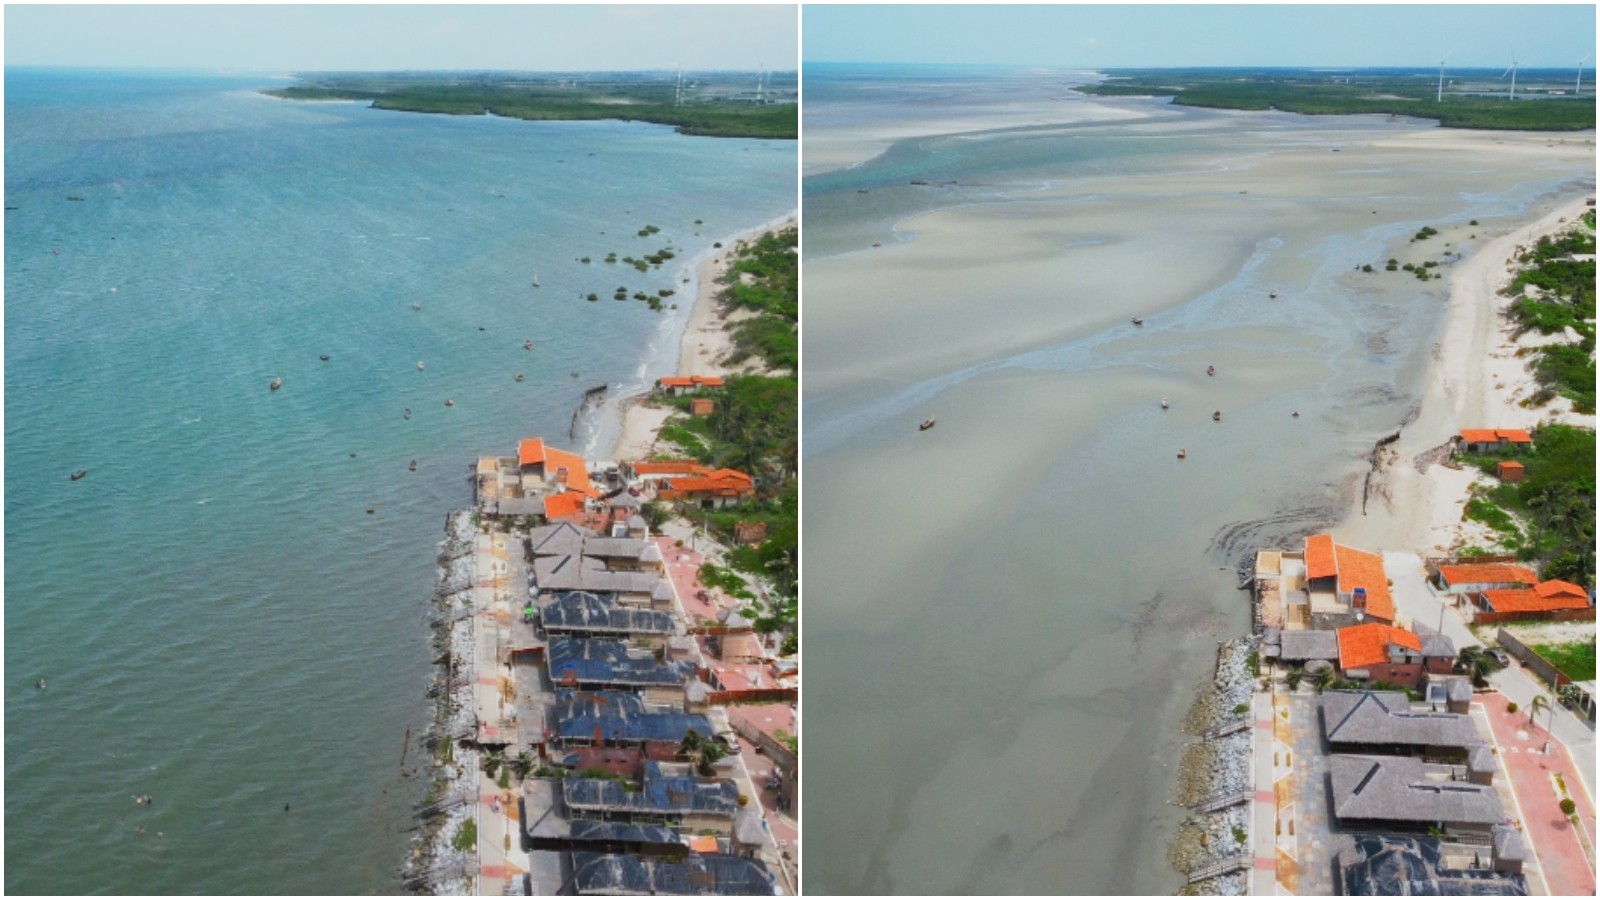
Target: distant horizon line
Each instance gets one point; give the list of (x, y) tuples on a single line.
[(291, 72), (1188, 68)]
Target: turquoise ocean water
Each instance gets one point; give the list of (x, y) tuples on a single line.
[(222, 624)]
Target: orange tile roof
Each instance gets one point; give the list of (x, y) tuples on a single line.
[(675, 381), (1510, 464), (703, 843), (1494, 435), (577, 471), (1527, 600), (671, 467), (530, 452), (566, 503), (723, 481), (1488, 573), (1360, 569), (1561, 589), (708, 380), (1368, 645), (1319, 556)]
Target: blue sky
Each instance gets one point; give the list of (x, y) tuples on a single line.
[(1195, 35), (286, 38)]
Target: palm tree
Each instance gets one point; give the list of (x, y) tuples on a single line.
[(1477, 663), (523, 764), (1323, 679), (1539, 702), (1293, 677), (492, 761)]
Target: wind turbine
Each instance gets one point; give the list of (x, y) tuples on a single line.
[(1513, 72), (677, 93), (1578, 88), (760, 76), (1440, 98)]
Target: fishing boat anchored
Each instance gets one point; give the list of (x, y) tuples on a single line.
[(926, 424), (276, 383)]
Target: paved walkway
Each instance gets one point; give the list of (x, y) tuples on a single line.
[(1564, 853)]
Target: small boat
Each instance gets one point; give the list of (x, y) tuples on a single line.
[(276, 383), (1210, 370), (1138, 320), (413, 465), (926, 424), (1183, 454), (1163, 403), (1272, 295), (421, 367), (574, 374), (323, 357), (1216, 415), (519, 376), (407, 413), (536, 279), (449, 402), (79, 475), (527, 345), (1296, 414), (41, 684), (416, 306)]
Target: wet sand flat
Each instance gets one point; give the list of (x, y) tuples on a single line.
[(1011, 611)]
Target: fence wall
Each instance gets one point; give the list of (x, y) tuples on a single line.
[(1532, 660)]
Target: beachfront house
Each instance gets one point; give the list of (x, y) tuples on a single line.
[(1344, 586), (1472, 578), (692, 482), (1399, 794), (678, 386), (583, 614), (1493, 440), (1384, 723), (1297, 649), (618, 719), (714, 490), (599, 665), (1545, 600), (564, 557), (1376, 652), (695, 875)]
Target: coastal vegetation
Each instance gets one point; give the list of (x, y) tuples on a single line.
[(1472, 100), (715, 108), (765, 280), (1549, 516), (755, 428), (1554, 287)]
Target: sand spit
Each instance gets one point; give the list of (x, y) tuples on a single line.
[(705, 345), (435, 867)]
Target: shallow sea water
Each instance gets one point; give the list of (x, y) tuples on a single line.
[(222, 623)]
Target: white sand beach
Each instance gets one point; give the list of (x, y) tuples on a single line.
[(1476, 381), (704, 346)]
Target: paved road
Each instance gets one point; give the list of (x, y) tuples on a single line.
[(1416, 600), (1560, 849)]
